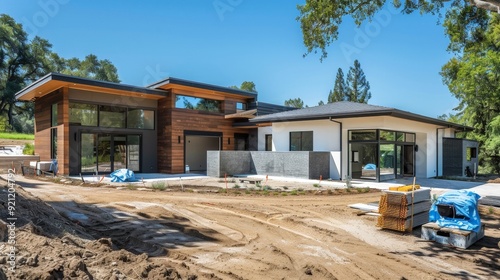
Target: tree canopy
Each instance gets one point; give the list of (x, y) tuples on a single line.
[(246, 85), (23, 61), (354, 88), (320, 20), (295, 102), (339, 89), (473, 76)]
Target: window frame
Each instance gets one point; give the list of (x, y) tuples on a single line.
[(302, 142)]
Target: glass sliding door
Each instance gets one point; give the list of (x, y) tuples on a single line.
[(119, 152), (133, 152), (387, 161), (106, 153), (88, 159)]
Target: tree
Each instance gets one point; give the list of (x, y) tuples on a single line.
[(339, 91), (23, 61), (473, 76), (358, 88), (295, 102), (247, 86), (320, 20)]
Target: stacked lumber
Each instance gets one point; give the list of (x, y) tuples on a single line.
[(402, 210)]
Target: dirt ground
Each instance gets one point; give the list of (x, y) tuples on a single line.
[(81, 232)]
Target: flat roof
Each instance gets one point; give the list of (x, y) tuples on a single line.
[(346, 109), (176, 81), (53, 81)]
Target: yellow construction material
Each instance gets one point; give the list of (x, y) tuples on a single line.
[(407, 188), (396, 208)]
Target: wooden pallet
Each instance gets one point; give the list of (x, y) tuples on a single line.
[(451, 236)]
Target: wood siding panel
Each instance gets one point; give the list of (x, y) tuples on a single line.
[(172, 160), (43, 112)]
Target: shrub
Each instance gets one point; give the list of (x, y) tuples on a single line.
[(294, 192), (300, 189), (316, 185), (236, 186), (29, 149), (131, 186), (160, 186)]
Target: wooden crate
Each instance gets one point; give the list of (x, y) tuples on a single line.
[(451, 236)]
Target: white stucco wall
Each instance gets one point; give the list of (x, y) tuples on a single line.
[(326, 136), (261, 138)]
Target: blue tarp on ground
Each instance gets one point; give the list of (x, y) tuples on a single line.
[(466, 215), (122, 175)]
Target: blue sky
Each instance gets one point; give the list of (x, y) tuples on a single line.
[(225, 42)]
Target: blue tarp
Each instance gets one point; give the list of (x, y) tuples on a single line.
[(122, 175), (466, 214)]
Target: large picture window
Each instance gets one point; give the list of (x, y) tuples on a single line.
[(301, 141), (200, 104), (83, 114), (140, 118), (110, 116)]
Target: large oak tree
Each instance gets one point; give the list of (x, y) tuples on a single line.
[(24, 60)]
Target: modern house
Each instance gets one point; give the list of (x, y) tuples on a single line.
[(369, 142), (94, 126)]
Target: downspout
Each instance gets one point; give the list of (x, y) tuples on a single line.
[(341, 151), (437, 149)]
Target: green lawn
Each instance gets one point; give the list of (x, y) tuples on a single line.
[(16, 136)]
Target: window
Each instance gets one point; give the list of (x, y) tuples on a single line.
[(241, 106), (301, 141), (53, 143), (387, 135), (269, 142), (53, 115), (400, 136), (361, 135), (139, 118), (82, 114), (201, 104), (111, 116), (470, 153)]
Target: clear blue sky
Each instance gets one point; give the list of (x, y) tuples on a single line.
[(252, 40)]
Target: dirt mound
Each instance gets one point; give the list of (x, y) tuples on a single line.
[(50, 246)]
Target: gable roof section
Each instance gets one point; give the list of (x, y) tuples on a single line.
[(54, 81), (173, 82), (346, 109)]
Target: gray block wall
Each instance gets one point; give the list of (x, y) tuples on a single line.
[(306, 165)]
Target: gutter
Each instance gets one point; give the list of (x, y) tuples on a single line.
[(341, 150)]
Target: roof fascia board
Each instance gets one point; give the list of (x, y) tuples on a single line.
[(182, 82)]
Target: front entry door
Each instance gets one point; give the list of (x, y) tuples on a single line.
[(409, 160)]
